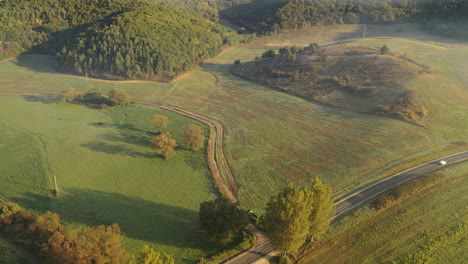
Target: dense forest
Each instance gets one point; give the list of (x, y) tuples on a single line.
[(104, 38), (265, 16)]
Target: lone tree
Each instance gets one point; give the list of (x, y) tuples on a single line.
[(118, 97), (384, 50), (220, 218), (194, 137), (296, 214), (165, 143), (160, 122), (67, 95)]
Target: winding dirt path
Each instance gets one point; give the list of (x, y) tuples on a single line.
[(227, 186)]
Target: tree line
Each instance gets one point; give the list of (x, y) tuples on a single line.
[(48, 239), (112, 39), (94, 96), (264, 16)]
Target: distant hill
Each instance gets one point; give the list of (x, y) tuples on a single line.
[(263, 16), (358, 78), (111, 39)]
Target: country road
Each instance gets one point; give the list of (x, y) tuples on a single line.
[(260, 250), (228, 188)]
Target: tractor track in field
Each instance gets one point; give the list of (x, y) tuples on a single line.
[(217, 161)]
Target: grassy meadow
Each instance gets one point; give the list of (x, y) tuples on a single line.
[(12, 255), (272, 138), (105, 173), (429, 227)]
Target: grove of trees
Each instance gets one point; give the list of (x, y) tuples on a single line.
[(297, 214), (94, 96), (46, 237)]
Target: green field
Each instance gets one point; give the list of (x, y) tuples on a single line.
[(106, 173), (273, 138), (429, 227), (11, 255)]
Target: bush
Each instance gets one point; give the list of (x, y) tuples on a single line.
[(284, 260), (384, 50), (269, 54), (237, 62)]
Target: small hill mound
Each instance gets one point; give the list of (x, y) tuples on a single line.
[(357, 78)]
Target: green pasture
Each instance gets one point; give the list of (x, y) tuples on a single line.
[(10, 254), (106, 174), (429, 227), (273, 138)]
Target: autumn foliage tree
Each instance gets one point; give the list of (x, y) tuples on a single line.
[(194, 137), (67, 95), (150, 256), (47, 238), (165, 143), (160, 122), (118, 97), (101, 244)]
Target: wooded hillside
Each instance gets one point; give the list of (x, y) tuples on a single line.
[(103, 38), (272, 15)]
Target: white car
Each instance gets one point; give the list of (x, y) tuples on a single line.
[(442, 162)]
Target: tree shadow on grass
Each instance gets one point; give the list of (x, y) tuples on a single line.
[(45, 99), (139, 219), (137, 139), (38, 63), (104, 147)]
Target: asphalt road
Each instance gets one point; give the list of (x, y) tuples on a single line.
[(263, 247), (365, 194)]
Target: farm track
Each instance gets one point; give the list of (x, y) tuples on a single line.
[(215, 150)]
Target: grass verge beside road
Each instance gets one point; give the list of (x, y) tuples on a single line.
[(427, 226)]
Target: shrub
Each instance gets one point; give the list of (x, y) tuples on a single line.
[(284, 260), (384, 50)]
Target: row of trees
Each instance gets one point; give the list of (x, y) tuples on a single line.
[(53, 243), (193, 137), (292, 217), (288, 52), (93, 95)]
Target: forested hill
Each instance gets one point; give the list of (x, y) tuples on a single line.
[(271, 15), (111, 38)]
